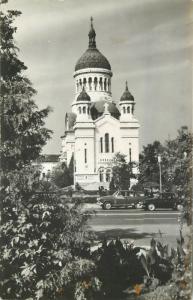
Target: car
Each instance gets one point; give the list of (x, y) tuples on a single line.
[(162, 201), (121, 198)]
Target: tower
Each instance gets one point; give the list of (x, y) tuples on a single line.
[(126, 104), (129, 126), (93, 72), (84, 133)]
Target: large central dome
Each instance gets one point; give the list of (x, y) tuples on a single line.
[(92, 58)]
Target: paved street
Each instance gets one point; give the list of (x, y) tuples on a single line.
[(137, 225)]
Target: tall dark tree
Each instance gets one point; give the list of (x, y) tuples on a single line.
[(42, 239), (121, 172), (22, 124), (148, 162)]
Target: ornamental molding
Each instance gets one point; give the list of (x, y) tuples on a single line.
[(93, 70)]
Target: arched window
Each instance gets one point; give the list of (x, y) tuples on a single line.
[(84, 109), (132, 110), (84, 82), (90, 83), (124, 110), (95, 83), (108, 175), (105, 84), (101, 145), (128, 109), (79, 109), (85, 156), (112, 144), (101, 84), (130, 158), (88, 110), (106, 142), (108, 85), (80, 83)]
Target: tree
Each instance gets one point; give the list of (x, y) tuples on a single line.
[(62, 176), (121, 172), (148, 162), (22, 125), (43, 241), (176, 163), (179, 152)]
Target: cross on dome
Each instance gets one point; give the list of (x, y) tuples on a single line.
[(91, 20), (126, 85), (92, 57), (92, 35)]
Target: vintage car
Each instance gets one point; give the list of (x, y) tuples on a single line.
[(122, 198), (162, 201)]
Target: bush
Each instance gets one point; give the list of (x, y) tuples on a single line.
[(62, 176), (44, 243), (118, 267)]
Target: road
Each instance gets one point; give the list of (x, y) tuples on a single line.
[(137, 225)]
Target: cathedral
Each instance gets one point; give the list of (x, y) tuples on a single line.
[(98, 127)]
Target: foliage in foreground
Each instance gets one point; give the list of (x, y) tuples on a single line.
[(126, 272), (43, 241)]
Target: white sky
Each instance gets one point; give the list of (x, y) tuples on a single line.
[(147, 42)]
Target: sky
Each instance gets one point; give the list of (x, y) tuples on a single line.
[(147, 42)]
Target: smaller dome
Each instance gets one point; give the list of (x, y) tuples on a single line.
[(127, 95), (83, 96)]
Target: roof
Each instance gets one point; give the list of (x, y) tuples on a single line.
[(83, 96), (92, 57), (49, 158), (97, 109), (127, 95)]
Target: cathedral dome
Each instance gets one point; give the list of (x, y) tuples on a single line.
[(97, 109), (127, 95), (83, 96), (92, 57)]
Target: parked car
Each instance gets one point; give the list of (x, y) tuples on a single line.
[(163, 200), (122, 198)]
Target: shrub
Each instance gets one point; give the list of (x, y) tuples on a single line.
[(118, 267), (44, 243)]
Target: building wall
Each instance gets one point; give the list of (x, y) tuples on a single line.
[(67, 147), (87, 137), (46, 168), (84, 152)]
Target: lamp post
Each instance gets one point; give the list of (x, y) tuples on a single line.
[(160, 173)]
